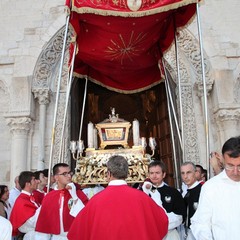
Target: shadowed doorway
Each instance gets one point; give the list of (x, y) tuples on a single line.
[(148, 107)]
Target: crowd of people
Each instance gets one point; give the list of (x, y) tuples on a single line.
[(202, 209)]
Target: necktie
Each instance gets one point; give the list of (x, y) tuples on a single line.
[(153, 189)]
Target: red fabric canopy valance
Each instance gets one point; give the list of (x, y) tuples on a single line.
[(121, 42)]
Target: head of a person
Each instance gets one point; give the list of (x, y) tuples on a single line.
[(62, 174), (199, 172), (4, 193), (156, 172), (46, 174), (231, 156), (117, 168), (27, 181), (205, 177), (188, 173), (42, 179), (16, 181)]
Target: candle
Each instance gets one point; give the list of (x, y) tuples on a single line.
[(95, 138), (73, 146), (135, 132), (152, 143), (80, 146), (90, 135), (143, 142)]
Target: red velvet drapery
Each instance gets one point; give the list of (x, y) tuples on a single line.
[(121, 42)]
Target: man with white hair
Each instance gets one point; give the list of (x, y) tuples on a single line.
[(188, 174), (14, 192)]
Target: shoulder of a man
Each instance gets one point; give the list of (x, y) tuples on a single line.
[(212, 185), (214, 179)]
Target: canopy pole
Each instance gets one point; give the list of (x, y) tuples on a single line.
[(172, 105), (171, 128), (179, 91), (67, 101), (83, 109), (57, 100), (204, 91)]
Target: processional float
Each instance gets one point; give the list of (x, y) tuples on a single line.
[(121, 45), (113, 134)]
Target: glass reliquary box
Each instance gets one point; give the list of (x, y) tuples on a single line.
[(113, 131)]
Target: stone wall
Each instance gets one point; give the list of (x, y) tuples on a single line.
[(25, 27)]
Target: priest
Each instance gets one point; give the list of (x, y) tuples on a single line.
[(119, 211)]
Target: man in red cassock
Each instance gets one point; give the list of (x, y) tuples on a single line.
[(25, 210), (39, 193), (60, 206), (120, 211)]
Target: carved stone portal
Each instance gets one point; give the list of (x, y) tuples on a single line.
[(45, 77)]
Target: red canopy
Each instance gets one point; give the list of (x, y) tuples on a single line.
[(121, 42)]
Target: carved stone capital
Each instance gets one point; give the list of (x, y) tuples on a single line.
[(19, 125), (199, 86), (227, 115), (43, 95)]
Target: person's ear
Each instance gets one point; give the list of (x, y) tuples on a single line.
[(108, 175)]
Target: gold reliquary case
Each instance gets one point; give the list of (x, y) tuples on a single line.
[(113, 131)]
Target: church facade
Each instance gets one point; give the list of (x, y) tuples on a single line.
[(30, 54)]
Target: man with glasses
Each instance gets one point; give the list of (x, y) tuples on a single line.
[(119, 212), (217, 216), (60, 206)]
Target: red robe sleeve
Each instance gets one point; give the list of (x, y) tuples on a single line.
[(49, 216), (120, 212), (22, 210)]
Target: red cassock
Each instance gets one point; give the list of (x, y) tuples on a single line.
[(22, 210), (122, 213), (38, 196), (49, 217)]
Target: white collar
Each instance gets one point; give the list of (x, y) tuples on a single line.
[(117, 182), (39, 190), (161, 185), (194, 185), (16, 189), (25, 192), (225, 177)]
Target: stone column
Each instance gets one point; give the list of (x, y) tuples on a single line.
[(19, 127), (206, 132), (43, 99)]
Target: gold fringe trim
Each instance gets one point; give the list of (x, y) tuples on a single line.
[(119, 90), (84, 10)]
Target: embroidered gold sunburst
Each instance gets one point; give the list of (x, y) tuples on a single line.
[(127, 48)]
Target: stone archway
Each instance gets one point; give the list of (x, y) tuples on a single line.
[(45, 81), (44, 85), (192, 91)]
